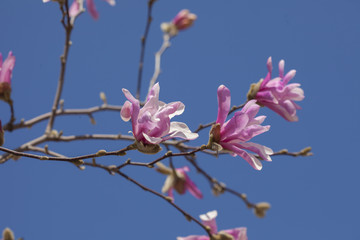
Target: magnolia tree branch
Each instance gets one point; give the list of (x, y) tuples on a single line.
[(143, 45), (165, 45), (60, 112), (63, 60)]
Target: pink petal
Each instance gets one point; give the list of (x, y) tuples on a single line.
[(281, 68), (152, 140), (6, 69), (293, 92), (250, 109), (252, 131), (111, 2), (193, 237), (237, 233), (282, 111), (268, 76), (154, 92), (250, 158), (290, 75), (266, 96), (209, 219), (181, 130), (92, 10), (192, 188), (234, 126), (126, 111), (74, 8), (262, 151), (224, 99), (135, 110)]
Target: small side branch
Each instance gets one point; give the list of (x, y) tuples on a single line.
[(63, 60), (143, 45), (157, 70)]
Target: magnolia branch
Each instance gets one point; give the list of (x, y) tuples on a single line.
[(63, 59), (157, 70), (59, 112), (143, 45)]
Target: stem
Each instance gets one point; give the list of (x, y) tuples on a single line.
[(157, 70), (63, 60), (85, 111), (143, 45), (169, 200)]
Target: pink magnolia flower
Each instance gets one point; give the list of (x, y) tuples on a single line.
[(183, 20), (179, 181), (6, 69), (278, 95), (234, 134), (151, 124), (77, 6), (208, 219)]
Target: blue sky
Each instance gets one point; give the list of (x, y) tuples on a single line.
[(314, 198)]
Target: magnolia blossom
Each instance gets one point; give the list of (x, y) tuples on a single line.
[(151, 124), (78, 5), (6, 69), (208, 219), (278, 95), (183, 20), (234, 134), (178, 180)]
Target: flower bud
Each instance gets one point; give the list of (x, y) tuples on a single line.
[(261, 208), (6, 69), (184, 19), (8, 234)]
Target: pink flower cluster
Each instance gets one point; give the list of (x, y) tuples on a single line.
[(208, 219), (278, 95), (234, 134)]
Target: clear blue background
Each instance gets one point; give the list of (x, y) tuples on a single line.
[(312, 198)]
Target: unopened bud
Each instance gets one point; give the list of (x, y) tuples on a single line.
[(184, 19), (261, 208), (8, 234), (306, 151), (101, 153), (218, 189), (103, 97)]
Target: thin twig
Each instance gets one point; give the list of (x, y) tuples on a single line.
[(169, 200), (59, 112), (165, 45), (100, 153), (143, 45), (63, 60)]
